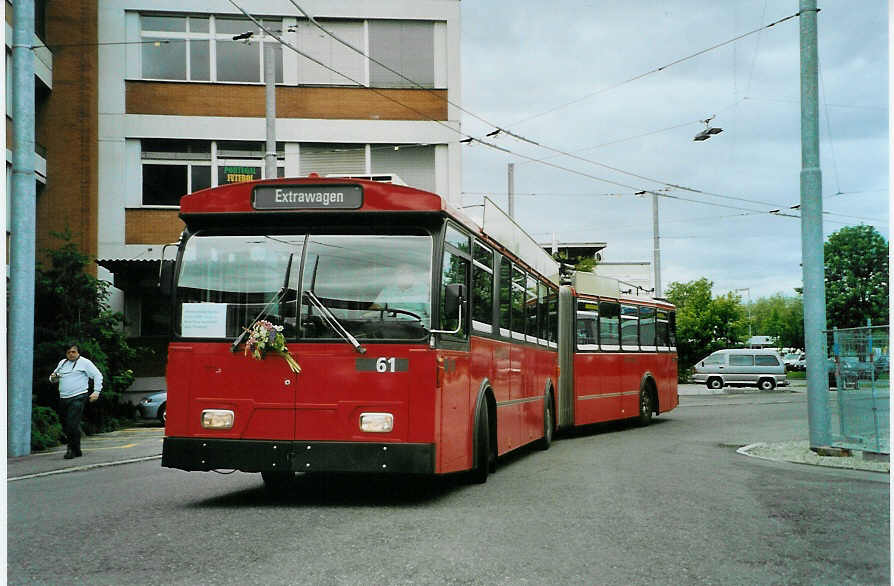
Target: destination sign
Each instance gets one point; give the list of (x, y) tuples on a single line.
[(307, 197)]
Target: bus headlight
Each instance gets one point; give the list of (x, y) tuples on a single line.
[(376, 422), (217, 419)]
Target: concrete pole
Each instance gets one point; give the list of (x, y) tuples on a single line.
[(510, 178), (656, 246), (20, 367), (812, 235), (270, 106)]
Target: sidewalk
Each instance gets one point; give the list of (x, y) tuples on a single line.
[(134, 444)]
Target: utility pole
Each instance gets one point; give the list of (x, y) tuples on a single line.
[(270, 107), (510, 178), (20, 366), (812, 234), (656, 246), (748, 291)]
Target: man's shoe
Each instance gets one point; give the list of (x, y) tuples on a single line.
[(69, 455), (78, 454)]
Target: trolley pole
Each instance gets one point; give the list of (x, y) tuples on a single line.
[(656, 246), (270, 107), (812, 235), (20, 365), (510, 184)]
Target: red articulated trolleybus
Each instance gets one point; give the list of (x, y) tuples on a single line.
[(345, 325)]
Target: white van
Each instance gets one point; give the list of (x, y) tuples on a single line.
[(761, 368)]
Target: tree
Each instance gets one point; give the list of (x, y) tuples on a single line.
[(72, 306), (781, 318), (705, 324), (856, 266)]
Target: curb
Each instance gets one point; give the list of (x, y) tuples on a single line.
[(81, 468)]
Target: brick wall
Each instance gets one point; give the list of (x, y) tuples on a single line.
[(67, 125), (344, 103), (148, 226)]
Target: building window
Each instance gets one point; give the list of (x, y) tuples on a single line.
[(180, 48), (312, 41), (173, 168), (405, 46)]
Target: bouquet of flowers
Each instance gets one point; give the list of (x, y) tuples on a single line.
[(264, 337)]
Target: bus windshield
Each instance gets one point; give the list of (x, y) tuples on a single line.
[(377, 286)]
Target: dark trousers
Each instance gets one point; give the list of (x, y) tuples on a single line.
[(72, 409)]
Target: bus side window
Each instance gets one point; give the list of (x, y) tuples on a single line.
[(518, 303), (609, 325), (672, 330), (482, 288), (531, 325), (647, 327), (661, 332), (629, 327), (505, 296), (552, 304), (454, 270), (543, 333)]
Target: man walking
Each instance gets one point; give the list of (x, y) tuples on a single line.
[(73, 373)]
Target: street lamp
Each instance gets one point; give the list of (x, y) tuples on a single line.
[(748, 291), (708, 131)]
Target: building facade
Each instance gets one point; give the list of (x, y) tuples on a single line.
[(148, 100)]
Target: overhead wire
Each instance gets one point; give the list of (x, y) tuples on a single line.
[(469, 138), (656, 70)]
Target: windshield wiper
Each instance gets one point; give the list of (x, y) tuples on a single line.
[(333, 322), (279, 295)]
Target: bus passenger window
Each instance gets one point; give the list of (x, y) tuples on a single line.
[(629, 327), (543, 333), (587, 316), (552, 305), (647, 327), (518, 303), (482, 289), (609, 326), (505, 295), (454, 270), (531, 310), (661, 329), (672, 329)]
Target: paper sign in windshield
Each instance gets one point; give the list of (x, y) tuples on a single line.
[(204, 320)]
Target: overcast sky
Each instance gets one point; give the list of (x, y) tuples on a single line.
[(521, 59)]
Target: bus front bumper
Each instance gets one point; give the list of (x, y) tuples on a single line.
[(203, 454)]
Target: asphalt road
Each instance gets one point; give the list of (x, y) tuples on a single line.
[(672, 503)]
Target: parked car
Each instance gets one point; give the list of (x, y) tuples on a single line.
[(154, 407), (795, 361), (761, 368)]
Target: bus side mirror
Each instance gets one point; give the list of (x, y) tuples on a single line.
[(454, 294), (166, 277)]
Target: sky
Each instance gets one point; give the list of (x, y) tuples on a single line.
[(561, 74)]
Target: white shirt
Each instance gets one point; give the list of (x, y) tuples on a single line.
[(73, 377)]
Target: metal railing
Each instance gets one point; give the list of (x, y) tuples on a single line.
[(859, 368)]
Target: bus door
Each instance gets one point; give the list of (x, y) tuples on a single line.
[(455, 442)]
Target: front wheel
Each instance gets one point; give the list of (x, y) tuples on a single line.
[(714, 383), (163, 414), (478, 475), (766, 384)]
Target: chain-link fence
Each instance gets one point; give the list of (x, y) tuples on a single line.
[(859, 370)]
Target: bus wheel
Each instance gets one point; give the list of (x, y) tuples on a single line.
[(645, 406), (277, 482), (548, 424), (478, 475)]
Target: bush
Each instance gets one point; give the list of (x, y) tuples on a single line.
[(46, 429), (72, 306)]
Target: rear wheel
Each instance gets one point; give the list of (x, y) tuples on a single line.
[(766, 384), (548, 424), (714, 383), (478, 475), (645, 407)]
